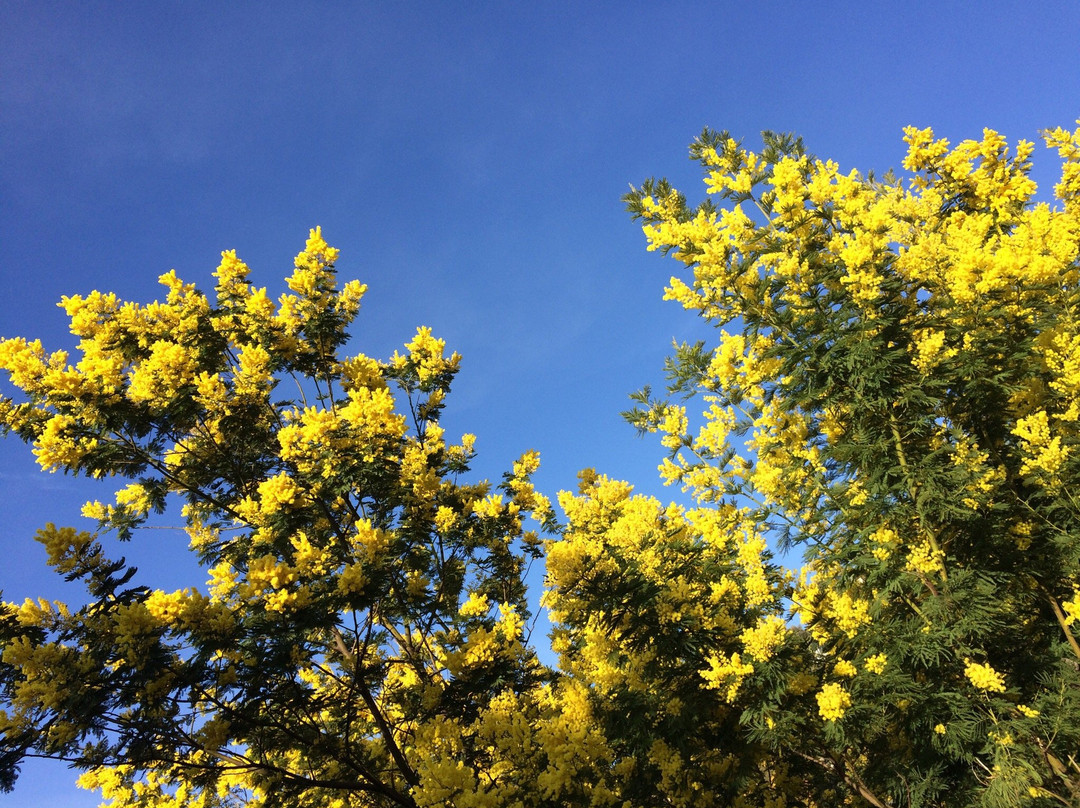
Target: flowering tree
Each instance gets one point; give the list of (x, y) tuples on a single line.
[(896, 397), (362, 629)]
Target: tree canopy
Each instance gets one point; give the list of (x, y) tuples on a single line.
[(893, 392)]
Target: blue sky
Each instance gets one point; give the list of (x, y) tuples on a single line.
[(468, 161)]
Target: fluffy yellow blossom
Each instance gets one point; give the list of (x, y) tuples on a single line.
[(1072, 608), (1043, 453), (833, 701), (726, 673), (875, 663), (489, 507), (40, 612), (674, 426), (253, 377), (157, 379), (857, 494), (849, 612), (171, 608), (232, 275), (277, 493), (223, 578), (427, 353), (844, 668), (445, 518), (527, 464), (984, 677), (362, 371), (308, 558), (350, 296), (922, 557), (930, 350), (370, 541), (476, 605), (265, 572), (760, 642), (352, 579), (60, 444)]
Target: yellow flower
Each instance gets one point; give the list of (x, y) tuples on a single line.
[(489, 507), (929, 346), (445, 518), (527, 464), (844, 668), (833, 701), (278, 492), (169, 607), (427, 352), (925, 559), (1042, 453), (352, 579), (760, 641), (674, 426), (984, 677), (849, 612), (1072, 608), (476, 606), (59, 446), (157, 378), (875, 663), (727, 674)]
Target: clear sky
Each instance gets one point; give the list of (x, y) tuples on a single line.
[(468, 160)]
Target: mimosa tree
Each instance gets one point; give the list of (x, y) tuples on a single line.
[(893, 392), (364, 606)]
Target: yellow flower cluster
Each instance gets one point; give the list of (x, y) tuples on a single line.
[(61, 446), (1043, 454), (726, 674), (984, 677), (849, 612), (427, 354), (844, 668), (833, 701), (476, 605), (764, 638), (1068, 146), (1072, 608), (925, 559), (612, 536), (876, 663), (41, 613), (277, 493), (157, 379)]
